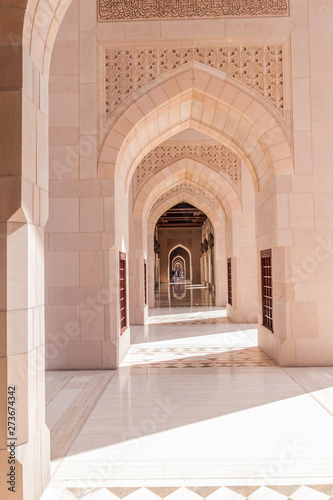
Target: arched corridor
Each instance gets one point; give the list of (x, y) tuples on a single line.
[(166, 198)]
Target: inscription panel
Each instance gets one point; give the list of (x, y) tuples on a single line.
[(136, 10)]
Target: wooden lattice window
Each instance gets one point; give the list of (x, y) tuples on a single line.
[(145, 281), (123, 290), (266, 289), (229, 283)]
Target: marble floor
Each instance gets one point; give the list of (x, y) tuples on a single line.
[(195, 411), (181, 293)]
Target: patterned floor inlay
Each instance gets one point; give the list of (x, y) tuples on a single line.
[(196, 357), (178, 322), (319, 492)]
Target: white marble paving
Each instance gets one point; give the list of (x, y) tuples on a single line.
[(231, 425)]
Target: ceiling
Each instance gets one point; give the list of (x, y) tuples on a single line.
[(180, 216)]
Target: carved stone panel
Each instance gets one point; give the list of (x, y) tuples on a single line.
[(128, 69), (218, 157), (134, 10)]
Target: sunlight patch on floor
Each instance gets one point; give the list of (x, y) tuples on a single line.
[(187, 316)]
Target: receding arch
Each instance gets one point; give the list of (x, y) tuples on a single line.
[(154, 213), (217, 222), (195, 172), (244, 122), (180, 245), (183, 179), (178, 261), (212, 154)]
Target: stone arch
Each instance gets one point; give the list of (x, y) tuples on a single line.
[(42, 20), (144, 218), (189, 253), (218, 158), (194, 171), (154, 213), (201, 98), (217, 221), (180, 259)]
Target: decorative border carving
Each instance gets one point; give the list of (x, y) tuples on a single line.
[(218, 157), (128, 69), (187, 186), (135, 10)]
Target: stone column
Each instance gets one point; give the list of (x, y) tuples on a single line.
[(241, 248), (137, 256), (152, 258), (23, 214), (219, 270)]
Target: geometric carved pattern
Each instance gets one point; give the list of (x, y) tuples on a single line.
[(260, 67), (187, 186), (131, 10), (218, 157)]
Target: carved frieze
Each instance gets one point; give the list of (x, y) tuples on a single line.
[(187, 186), (128, 69), (135, 10), (218, 157)]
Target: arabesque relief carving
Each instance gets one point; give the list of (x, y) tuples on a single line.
[(134, 10), (218, 157), (187, 186), (260, 67)]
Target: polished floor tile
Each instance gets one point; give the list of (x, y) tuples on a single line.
[(195, 411), (183, 293)]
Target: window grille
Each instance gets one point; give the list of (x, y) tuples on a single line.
[(123, 290), (229, 283), (145, 281), (266, 289)]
